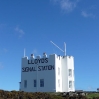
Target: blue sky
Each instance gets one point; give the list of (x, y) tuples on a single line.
[(31, 24)]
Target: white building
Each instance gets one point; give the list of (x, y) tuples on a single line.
[(47, 74)]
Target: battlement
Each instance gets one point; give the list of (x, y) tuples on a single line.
[(39, 56), (45, 56)]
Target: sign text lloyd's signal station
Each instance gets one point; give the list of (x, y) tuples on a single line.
[(38, 68)]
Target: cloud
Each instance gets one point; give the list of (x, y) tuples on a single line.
[(20, 31), (67, 5), (86, 14)]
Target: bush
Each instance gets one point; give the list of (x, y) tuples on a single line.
[(38, 95)]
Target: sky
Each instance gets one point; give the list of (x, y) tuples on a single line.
[(32, 24)]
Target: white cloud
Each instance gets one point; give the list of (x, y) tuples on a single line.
[(20, 31), (86, 14), (67, 5)]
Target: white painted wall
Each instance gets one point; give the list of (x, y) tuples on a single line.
[(50, 77), (58, 76), (47, 75), (64, 75), (70, 65)]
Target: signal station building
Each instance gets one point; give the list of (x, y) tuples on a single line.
[(53, 73)]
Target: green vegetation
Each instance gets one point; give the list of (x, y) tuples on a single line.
[(39, 95), (93, 95)]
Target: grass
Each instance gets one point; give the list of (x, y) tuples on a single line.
[(92, 95)]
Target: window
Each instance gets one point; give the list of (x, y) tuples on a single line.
[(70, 72), (25, 83), (70, 84), (41, 82), (58, 71), (58, 82), (35, 83)]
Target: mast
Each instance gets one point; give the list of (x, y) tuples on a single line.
[(60, 48), (24, 52), (65, 48)]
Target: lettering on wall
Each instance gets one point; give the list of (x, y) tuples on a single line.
[(40, 68), (36, 61)]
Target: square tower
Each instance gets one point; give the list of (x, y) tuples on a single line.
[(47, 74)]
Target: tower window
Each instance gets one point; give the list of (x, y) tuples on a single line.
[(35, 83), (41, 82), (58, 82), (25, 83), (58, 71), (70, 72), (70, 84)]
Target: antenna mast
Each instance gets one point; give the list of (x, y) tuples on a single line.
[(24, 52), (65, 48), (60, 48)]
